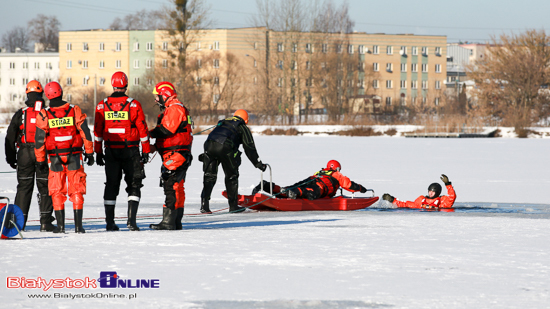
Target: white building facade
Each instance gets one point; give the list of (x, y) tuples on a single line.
[(17, 69)]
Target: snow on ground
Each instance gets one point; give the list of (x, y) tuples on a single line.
[(492, 253)]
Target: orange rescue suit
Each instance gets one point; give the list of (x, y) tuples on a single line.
[(445, 201)]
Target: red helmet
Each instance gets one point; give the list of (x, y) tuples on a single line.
[(334, 165), (53, 90), (242, 114), (119, 80), (34, 86), (165, 89)]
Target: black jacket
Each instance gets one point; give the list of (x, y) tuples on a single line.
[(234, 132)]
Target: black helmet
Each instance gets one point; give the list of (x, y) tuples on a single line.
[(435, 187)]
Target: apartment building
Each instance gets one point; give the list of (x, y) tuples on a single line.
[(17, 69)]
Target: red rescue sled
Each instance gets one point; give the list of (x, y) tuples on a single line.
[(261, 201)]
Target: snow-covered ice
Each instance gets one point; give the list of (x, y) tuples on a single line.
[(493, 252)]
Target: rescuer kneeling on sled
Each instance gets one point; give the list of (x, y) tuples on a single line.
[(174, 137), (433, 200), (323, 183), (61, 130), (222, 146)]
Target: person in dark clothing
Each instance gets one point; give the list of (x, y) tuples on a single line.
[(222, 146), (120, 123), (20, 134)]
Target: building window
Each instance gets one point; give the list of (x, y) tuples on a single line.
[(255, 80), (438, 51), (101, 46), (339, 48), (101, 64), (217, 45), (25, 81), (388, 101), (280, 64), (85, 98), (308, 65), (324, 48), (102, 81), (414, 67), (389, 84), (69, 64), (361, 49), (69, 81), (136, 46), (85, 81), (164, 45), (165, 63), (424, 51), (69, 47), (149, 81), (118, 46), (12, 81), (216, 80), (309, 82), (199, 81), (136, 64), (437, 84), (199, 63), (49, 65), (438, 68), (280, 82), (375, 67), (25, 65), (293, 82), (309, 48), (403, 50), (118, 64), (69, 97), (424, 67), (136, 81), (424, 84), (149, 46), (389, 67), (403, 84), (436, 101), (280, 47), (403, 67), (215, 98), (85, 64), (414, 51), (294, 47), (350, 49), (403, 100), (85, 47), (375, 84), (414, 84), (375, 49), (255, 45), (37, 65), (389, 50), (149, 63), (293, 65), (216, 63)]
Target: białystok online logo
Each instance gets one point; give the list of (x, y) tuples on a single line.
[(107, 280)]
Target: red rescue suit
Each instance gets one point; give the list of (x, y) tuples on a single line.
[(330, 181), (441, 202), (174, 138), (120, 122), (66, 132)]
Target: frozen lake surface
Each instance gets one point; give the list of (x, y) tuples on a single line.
[(492, 252)]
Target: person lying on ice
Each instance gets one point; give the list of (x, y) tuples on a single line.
[(323, 183), (431, 201)]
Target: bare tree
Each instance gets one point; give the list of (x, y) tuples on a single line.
[(45, 30), (141, 20), (17, 37), (510, 78)]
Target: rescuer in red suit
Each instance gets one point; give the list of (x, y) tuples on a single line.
[(323, 183), (432, 201), (20, 155), (61, 131), (174, 138), (120, 123)]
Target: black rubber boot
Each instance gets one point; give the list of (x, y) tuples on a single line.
[(78, 221), (168, 220), (46, 220), (205, 206), (110, 218), (179, 216), (132, 215), (234, 208), (60, 218)]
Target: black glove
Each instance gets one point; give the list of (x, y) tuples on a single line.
[(13, 165), (99, 157), (261, 166), (363, 190), (42, 166), (388, 197), (89, 159), (144, 158), (445, 179), (152, 134)]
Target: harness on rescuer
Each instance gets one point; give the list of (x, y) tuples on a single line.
[(65, 139), (328, 184), (118, 126), (28, 125)]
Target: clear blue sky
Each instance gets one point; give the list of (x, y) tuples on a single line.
[(466, 20)]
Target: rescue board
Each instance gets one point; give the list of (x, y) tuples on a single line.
[(261, 201)]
